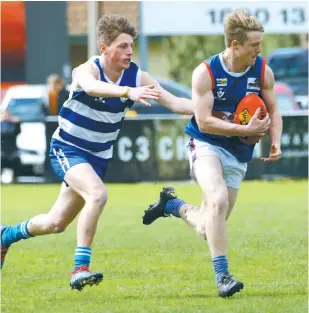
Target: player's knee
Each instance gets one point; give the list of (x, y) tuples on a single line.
[(98, 197), (57, 227), (218, 205), (201, 230)]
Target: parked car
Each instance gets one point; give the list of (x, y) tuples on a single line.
[(285, 97), (27, 103), (174, 88), (290, 66)]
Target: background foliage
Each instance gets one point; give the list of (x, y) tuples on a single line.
[(189, 51)]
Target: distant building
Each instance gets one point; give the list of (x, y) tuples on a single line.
[(77, 28)]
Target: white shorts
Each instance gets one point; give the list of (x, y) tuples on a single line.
[(233, 170)]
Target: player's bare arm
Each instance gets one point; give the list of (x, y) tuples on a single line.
[(203, 98), (86, 76), (175, 104), (275, 129)]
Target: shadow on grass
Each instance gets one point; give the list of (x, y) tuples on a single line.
[(238, 296), (172, 297), (278, 294)]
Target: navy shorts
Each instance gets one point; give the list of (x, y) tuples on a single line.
[(63, 157)]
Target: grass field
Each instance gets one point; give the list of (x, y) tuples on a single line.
[(164, 267)]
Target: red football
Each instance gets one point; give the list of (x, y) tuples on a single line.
[(245, 110)]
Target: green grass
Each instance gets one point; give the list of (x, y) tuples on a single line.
[(164, 267)]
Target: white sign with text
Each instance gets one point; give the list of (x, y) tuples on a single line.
[(206, 18)]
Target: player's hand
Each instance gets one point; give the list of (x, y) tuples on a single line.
[(274, 154), (145, 92), (257, 127)]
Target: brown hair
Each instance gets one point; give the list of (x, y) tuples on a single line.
[(111, 26), (237, 24)]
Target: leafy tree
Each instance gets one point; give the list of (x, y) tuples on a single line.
[(186, 52)]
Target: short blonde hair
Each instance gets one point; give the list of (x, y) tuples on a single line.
[(237, 24), (111, 26)]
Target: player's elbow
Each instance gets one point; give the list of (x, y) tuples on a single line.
[(203, 124), (87, 86), (88, 90)]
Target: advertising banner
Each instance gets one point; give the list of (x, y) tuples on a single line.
[(155, 150), (206, 17)]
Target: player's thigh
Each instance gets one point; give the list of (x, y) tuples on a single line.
[(84, 179), (73, 166), (68, 204), (209, 175)]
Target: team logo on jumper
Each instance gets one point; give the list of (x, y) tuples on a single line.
[(220, 94), (253, 83), (123, 99), (221, 82), (99, 99)]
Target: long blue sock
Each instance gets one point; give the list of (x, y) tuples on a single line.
[(82, 256), (173, 206), (220, 266), (12, 234)]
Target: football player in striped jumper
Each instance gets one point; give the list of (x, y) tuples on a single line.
[(103, 89), (218, 156)]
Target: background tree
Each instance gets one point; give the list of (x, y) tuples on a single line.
[(184, 53)]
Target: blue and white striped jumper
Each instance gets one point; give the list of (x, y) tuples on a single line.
[(92, 124)]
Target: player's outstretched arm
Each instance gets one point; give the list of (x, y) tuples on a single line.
[(275, 129), (203, 98), (175, 104), (86, 77)]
